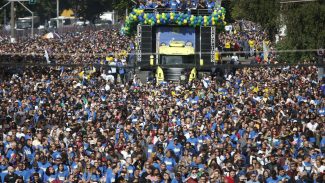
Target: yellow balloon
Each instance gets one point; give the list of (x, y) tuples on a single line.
[(213, 23), (158, 21)]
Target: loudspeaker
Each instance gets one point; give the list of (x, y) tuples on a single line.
[(205, 37), (146, 42)]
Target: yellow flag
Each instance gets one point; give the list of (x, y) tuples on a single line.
[(159, 75), (81, 74), (193, 74)]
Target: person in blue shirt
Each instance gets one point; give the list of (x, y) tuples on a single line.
[(151, 5), (176, 147), (282, 175), (273, 178), (110, 176), (62, 174), (57, 162), (173, 4), (204, 137), (36, 169), (43, 164), (322, 142), (12, 152), (28, 150), (210, 5), (50, 175), (87, 173), (23, 172), (169, 161), (74, 164), (192, 139), (95, 175), (191, 150), (177, 178)]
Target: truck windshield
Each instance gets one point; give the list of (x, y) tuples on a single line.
[(177, 59)]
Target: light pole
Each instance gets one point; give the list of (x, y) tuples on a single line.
[(57, 13), (12, 22)]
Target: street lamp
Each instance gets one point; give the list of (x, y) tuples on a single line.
[(57, 13)]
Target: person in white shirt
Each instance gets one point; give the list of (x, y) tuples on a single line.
[(235, 59), (312, 126), (318, 167)]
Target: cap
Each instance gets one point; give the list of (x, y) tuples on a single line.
[(295, 129), (27, 137), (260, 152)]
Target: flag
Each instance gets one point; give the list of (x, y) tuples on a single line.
[(62, 70), (81, 74), (159, 75), (46, 55), (265, 52), (193, 74)]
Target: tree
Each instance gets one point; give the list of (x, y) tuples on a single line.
[(228, 5), (305, 29), (264, 12), (91, 9), (122, 5)]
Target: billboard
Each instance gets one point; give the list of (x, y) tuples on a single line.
[(166, 35)]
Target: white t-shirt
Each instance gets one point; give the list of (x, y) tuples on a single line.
[(312, 127), (318, 170), (235, 58)]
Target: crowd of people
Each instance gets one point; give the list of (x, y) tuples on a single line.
[(247, 38), (89, 46), (178, 4), (257, 125)]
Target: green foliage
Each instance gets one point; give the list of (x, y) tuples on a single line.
[(122, 5), (228, 5), (91, 9), (305, 29), (264, 12)]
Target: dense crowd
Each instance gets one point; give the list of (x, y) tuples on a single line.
[(248, 38), (178, 4), (257, 125), (89, 46)]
